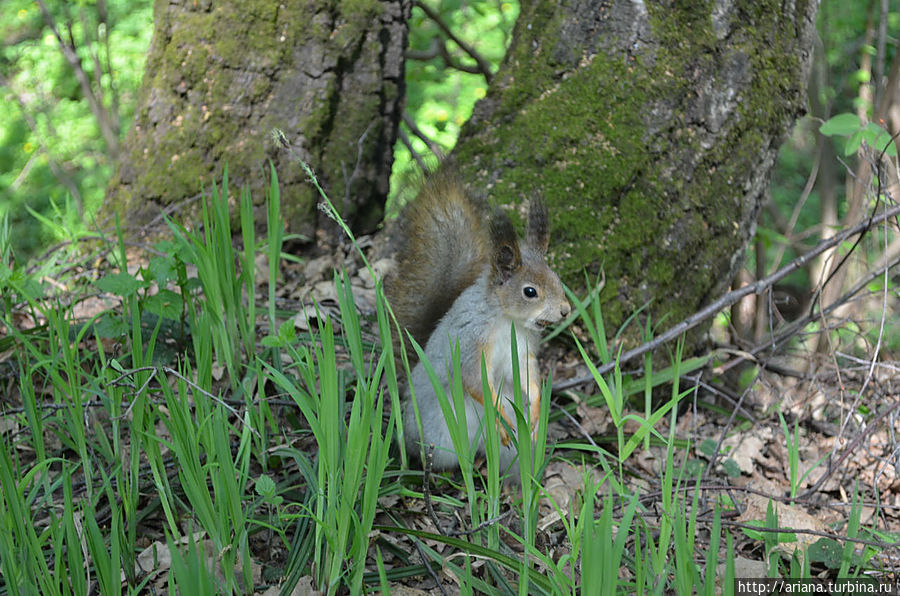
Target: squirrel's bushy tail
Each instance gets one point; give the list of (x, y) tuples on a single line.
[(445, 245)]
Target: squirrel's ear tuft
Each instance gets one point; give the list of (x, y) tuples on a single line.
[(538, 235), (506, 257)]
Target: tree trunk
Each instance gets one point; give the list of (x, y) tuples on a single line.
[(221, 75), (650, 129)]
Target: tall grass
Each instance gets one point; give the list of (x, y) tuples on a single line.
[(110, 447)]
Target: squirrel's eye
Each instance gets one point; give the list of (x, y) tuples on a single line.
[(529, 292)]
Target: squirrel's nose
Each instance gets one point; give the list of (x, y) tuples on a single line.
[(565, 309)]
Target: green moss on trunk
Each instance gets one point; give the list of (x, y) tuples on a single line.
[(650, 130), (222, 75)]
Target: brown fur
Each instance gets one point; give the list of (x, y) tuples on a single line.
[(432, 229)]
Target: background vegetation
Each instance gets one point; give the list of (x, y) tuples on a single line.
[(54, 160), (136, 453)]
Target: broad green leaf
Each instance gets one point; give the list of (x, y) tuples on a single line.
[(162, 269), (841, 125), (853, 143), (883, 142)]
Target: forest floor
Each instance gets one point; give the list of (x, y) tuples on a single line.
[(812, 429)]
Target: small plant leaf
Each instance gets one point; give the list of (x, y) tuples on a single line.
[(111, 326), (166, 304), (271, 341), (162, 269), (120, 284), (694, 467), (731, 468), (287, 332), (708, 447), (780, 538), (753, 534), (884, 142), (265, 486), (827, 551)]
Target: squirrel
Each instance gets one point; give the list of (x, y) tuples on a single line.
[(464, 277)]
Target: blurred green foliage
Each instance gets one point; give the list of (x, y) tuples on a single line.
[(49, 135), (834, 89), (48, 132)]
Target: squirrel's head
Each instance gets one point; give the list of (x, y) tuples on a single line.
[(529, 291)]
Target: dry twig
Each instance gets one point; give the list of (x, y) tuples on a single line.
[(732, 297)]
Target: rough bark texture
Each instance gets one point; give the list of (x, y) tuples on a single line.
[(221, 75), (650, 129)]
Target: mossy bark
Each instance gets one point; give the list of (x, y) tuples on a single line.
[(221, 75), (650, 129)]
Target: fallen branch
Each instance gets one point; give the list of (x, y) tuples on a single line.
[(791, 329), (734, 296)]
